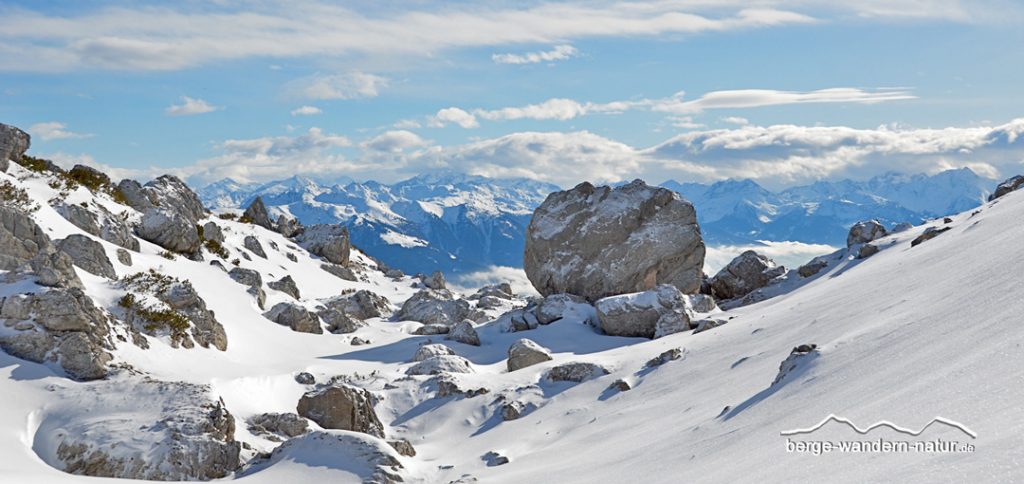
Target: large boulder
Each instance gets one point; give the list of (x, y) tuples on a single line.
[(430, 351), (13, 144), (464, 333), (88, 254), (439, 307), (296, 317), (637, 314), (596, 242), (256, 213), (206, 330), (1007, 186), (170, 212), (288, 227), (342, 407), (25, 247), (576, 372), (328, 241), (286, 285), (524, 353), (864, 232), (747, 272)]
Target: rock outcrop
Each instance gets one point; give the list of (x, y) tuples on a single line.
[(285, 425), (170, 212), (596, 242), (637, 314), (524, 353), (1007, 186), (928, 234), (98, 221), (430, 306), (342, 407), (252, 244), (13, 144), (744, 274), (256, 213), (286, 285), (251, 278), (431, 350)]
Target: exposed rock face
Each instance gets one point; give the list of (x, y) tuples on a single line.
[(305, 378), (524, 353), (435, 365), (24, 247), (599, 242), (13, 144), (338, 322), (813, 267), (431, 350), (864, 232), (286, 285), (190, 438), (448, 385), (88, 254), (576, 372), (430, 306), (432, 329), (744, 274), (170, 212), (253, 245), (212, 231), (256, 213), (701, 303), (282, 424), (124, 257), (342, 407), (295, 317), (100, 222), (502, 291), (206, 331), (1007, 186), (328, 241), (637, 314), (340, 272), (464, 333), (364, 304), (403, 447), (671, 323), (901, 227)]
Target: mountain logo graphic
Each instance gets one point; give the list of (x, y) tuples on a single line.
[(863, 431)]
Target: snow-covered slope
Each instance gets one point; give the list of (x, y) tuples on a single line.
[(907, 335)]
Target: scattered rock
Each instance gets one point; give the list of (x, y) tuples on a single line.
[(256, 213), (464, 333), (100, 222), (520, 319), (494, 459), (342, 407), (206, 331), (338, 322), (435, 281), (305, 378), (296, 317), (284, 424), (598, 241), (794, 359), (744, 274), (340, 272), (357, 341), (620, 385), (497, 291), (670, 355), (813, 267), (555, 306), (947, 220), (901, 227), (1011, 184), (671, 323), (286, 285), (362, 304), (524, 353), (705, 324), (864, 232), (212, 231), (88, 254), (253, 244), (288, 227), (929, 234), (448, 386), (251, 278), (432, 330), (576, 372), (512, 410), (435, 365), (637, 314), (867, 250)]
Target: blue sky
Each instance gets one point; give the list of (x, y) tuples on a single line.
[(696, 90)]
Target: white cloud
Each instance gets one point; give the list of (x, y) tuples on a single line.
[(753, 98), (737, 120), (350, 85), (394, 142), (558, 53), (516, 277), (190, 106), (407, 124), (453, 115), (306, 111), (54, 130), (685, 122)]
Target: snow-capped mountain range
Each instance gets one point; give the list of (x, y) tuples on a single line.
[(460, 223)]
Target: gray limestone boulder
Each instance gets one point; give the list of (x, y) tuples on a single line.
[(256, 213), (13, 144), (430, 306), (88, 254), (744, 274), (341, 407), (328, 241), (464, 332), (637, 314), (286, 285), (296, 317), (864, 232), (524, 353)]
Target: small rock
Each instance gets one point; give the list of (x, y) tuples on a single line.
[(929, 234), (620, 385), (576, 372), (511, 410), (286, 285), (254, 246), (357, 341), (705, 324), (431, 350), (435, 281), (305, 378), (284, 424), (670, 355), (403, 447), (124, 257), (494, 459), (464, 332)]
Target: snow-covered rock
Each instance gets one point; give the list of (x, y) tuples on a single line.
[(286, 425), (576, 372), (430, 306), (864, 232), (596, 242), (296, 317), (637, 314), (341, 407), (435, 365), (170, 212), (1007, 186), (464, 332), (328, 241), (286, 285), (431, 350), (330, 456), (256, 213), (97, 220), (524, 353)]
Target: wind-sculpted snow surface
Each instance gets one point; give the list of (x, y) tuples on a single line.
[(596, 242)]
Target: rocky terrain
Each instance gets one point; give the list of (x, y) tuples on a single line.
[(147, 337)]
